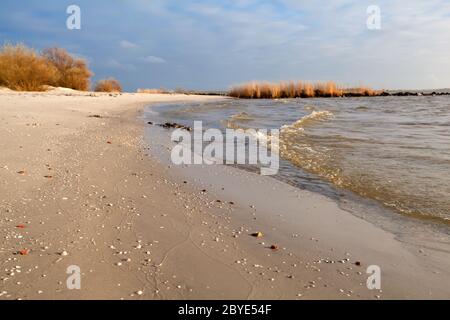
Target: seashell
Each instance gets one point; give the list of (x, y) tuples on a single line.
[(257, 234)]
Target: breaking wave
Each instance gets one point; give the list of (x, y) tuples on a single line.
[(315, 116)]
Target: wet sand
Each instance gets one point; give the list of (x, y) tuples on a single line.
[(79, 186)]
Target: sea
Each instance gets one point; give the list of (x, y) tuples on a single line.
[(390, 153)]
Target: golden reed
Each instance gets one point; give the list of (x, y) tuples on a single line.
[(299, 89)]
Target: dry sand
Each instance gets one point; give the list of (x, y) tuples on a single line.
[(87, 191)]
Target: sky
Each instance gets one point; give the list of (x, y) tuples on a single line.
[(212, 45)]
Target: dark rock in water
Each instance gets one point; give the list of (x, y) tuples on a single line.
[(434, 93), (94, 116), (385, 94), (405, 94), (151, 123), (352, 94), (173, 125)]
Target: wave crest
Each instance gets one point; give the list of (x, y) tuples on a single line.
[(314, 116)]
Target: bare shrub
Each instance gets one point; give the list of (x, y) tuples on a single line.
[(23, 69), (73, 73)]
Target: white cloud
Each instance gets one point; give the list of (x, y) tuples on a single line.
[(113, 63), (127, 44), (153, 59)]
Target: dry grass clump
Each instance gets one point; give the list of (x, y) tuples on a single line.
[(108, 85), (24, 69), (73, 73), (299, 89), (154, 91)]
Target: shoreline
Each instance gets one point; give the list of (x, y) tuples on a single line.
[(137, 231), (325, 187), (360, 239)]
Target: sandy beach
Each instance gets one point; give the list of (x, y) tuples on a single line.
[(80, 186)]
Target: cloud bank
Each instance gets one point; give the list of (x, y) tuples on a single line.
[(212, 45)]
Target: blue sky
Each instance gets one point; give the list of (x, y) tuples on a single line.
[(203, 44)]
